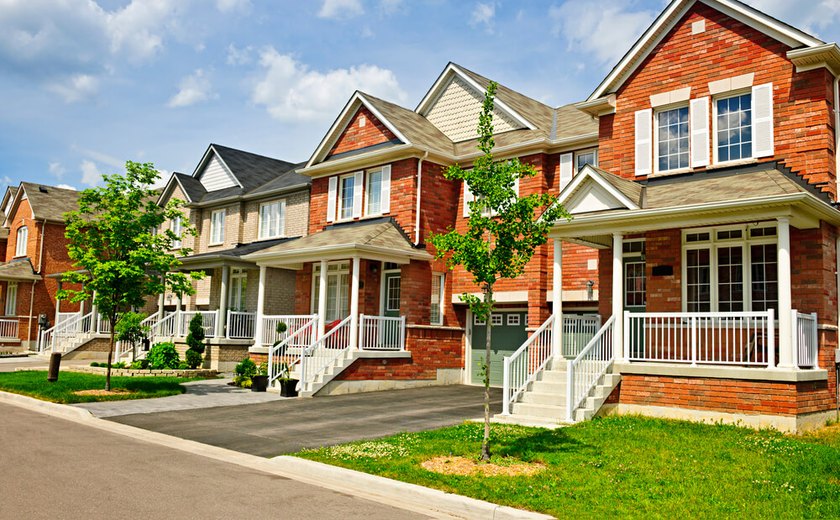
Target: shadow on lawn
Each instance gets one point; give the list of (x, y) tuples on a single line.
[(540, 442)]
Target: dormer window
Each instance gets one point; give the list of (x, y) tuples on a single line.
[(21, 241), (734, 128), (672, 134), (217, 227)]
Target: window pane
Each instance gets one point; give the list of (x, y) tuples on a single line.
[(374, 193), (765, 290), (730, 278), (672, 140), (734, 128), (347, 189), (698, 278)]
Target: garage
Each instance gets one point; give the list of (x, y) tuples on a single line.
[(508, 335)]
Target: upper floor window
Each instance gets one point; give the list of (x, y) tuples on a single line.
[(672, 139), (734, 128), (585, 157), (346, 196), (217, 227), (176, 227), (352, 195), (436, 309), (21, 241), (373, 193), (272, 219)]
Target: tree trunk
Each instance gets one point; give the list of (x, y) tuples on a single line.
[(485, 445), (110, 355)]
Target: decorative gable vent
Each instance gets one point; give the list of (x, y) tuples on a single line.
[(455, 112), (215, 176)]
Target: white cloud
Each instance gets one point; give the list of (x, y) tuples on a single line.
[(100, 157), (818, 16), (75, 88), (67, 187), (484, 13), (193, 89), (341, 9), (90, 173), (230, 6), (290, 90), (57, 169), (239, 56), (6, 180)]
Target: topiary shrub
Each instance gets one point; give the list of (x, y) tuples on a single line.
[(192, 358), (196, 336), (163, 356), (245, 370)]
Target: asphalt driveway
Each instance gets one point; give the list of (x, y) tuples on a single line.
[(289, 425)]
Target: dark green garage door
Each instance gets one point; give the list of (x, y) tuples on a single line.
[(508, 335)]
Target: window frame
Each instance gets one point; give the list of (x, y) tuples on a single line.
[(659, 110), (238, 287), (728, 95), (177, 243), (575, 168), (336, 269), (339, 196), (440, 280), (11, 290), (281, 220), (21, 245), (368, 191), (221, 227)]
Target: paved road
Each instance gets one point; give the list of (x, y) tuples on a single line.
[(35, 363), (287, 426), (52, 468)]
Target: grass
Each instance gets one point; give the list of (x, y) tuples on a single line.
[(34, 384), (626, 466)]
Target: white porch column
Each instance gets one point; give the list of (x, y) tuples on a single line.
[(786, 356), (179, 316), (322, 300), (57, 305), (618, 297), (221, 319), (94, 313), (354, 304), (557, 301), (258, 329)]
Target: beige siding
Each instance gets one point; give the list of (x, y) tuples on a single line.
[(457, 109), (189, 216), (297, 216), (232, 228)]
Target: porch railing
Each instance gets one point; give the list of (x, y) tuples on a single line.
[(578, 330), (64, 316), (381, 333), (805, 339), (241, 325), (588, 367), (324, 352), (67, 335), (9, 329), (287, 352), (714, 338), (293, 323), (208, 322), (521, 368)]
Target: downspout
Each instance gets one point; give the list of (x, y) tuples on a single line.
[(837, 136), (419, 191), (32, 292)]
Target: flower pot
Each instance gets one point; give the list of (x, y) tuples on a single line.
[(259, 383), (288, 387)]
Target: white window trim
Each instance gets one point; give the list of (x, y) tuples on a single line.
[(656, 112), (339, 197), (21, 245), (713, 244), (388, 279), (344, 268), (221, 233), (440, 279), (11, 289), (236, 277), (365, 212), (281, 216), (575, 170), (177, 243), (727, 95)]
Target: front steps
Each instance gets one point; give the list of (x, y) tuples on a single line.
[(543, 403), (321, 380)]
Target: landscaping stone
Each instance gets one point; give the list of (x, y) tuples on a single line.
[(127, 372)]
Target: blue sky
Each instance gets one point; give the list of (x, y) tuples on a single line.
[(89, 84)]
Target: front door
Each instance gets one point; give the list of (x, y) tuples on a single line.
[(391, 307), (508, 335)]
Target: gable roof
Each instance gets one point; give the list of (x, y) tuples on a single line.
[(674, 12), (19, 269), (46, 202)]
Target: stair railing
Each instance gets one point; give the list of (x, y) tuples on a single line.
[(324, 352), (585, 370), (521, 367), (286, 351)]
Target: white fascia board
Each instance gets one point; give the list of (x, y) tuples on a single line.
[(206, 157), (589, 174), (337, 251), (14, 206), (167, 191)]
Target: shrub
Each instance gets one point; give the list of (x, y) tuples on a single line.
[(140, 364), (193, 359), (245, 370), (162, 356), (130, 330), (195, 337)]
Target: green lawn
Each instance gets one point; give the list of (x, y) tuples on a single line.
[(628, 466), (34, 384)]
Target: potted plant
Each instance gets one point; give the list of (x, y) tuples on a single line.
[(288, 386), (259, 381)]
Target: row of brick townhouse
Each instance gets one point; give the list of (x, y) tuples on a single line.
[(698, 277)]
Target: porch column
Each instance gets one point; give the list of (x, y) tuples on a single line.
[(618, 297), (354, 304), (785, 324), (557, 301), (221, 319), (57, 303), (94, 313), (179, 318), (322, 300), (258, 329)]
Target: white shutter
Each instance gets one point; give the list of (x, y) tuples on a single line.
[(644, 141), (331, 199), (762, 113), (516, 187), (699, 132), (385, 199), (358, 182), (566, 169), (468, 197)]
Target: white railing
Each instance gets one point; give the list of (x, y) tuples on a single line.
[(240, 325), (805, 339), (585, 370), (324, 352), (162, 327), (64, 316), (208, 322), (285, 351), (712, 338), (293, 323), (9, 329), (521, 368), (381, 333), (66, 336), (578, 330)]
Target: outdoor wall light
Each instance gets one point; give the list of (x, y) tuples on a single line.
[(590, 292)]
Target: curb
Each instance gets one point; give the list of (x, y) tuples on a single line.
[(411, 497)]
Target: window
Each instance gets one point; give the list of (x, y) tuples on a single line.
[(217, 227), (585, 157), (373, 193), (672, 139), (21, 241), (11, 299), (392, 293), (272, 219), (478, 321), (734, 128), (731, 270), (496, 320), (238, 290), (338, 290), (512, 320), (347, 188), (437, 299), (176, 228)]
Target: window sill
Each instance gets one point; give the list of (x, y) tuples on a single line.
[(729, 164), (720, 372), (672, 172), (357, 219), (217, 244)]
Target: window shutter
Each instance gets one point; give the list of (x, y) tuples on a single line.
[(468, 197), (644, 140), (358, 182), (566, 169), (762, 96), (516, 187), (385, 199), (699, 119), (331, 199)]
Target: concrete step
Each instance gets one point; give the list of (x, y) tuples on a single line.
[(544, 398), (545, 387), (553, 376), (545, 411)]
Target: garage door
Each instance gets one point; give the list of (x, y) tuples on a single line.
[(508, 335)]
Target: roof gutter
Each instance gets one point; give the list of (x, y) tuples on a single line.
[(238, 198)]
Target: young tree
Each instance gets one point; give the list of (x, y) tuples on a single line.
[(118, 256), (502, 234)]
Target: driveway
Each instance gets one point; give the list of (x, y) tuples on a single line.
[(289, 425)]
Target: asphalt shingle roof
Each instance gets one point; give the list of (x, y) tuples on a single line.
[(49, 202), (20, 269)]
